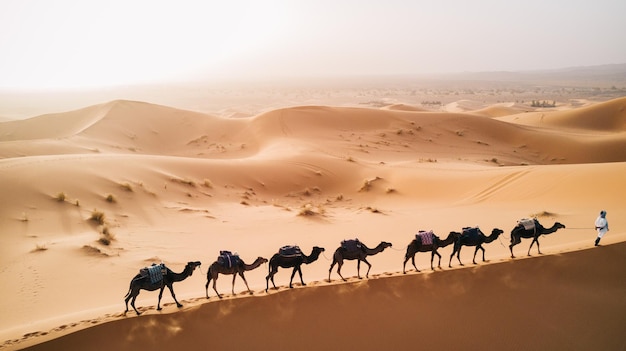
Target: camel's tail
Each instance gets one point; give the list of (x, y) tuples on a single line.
[(130, 288)]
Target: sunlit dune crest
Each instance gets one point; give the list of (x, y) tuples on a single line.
[(95, 194)]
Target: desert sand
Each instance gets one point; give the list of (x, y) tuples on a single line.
[(94, 194)]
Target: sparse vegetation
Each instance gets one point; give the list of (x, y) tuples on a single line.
[(310, 210), (188, 182), (127, 187), (543, 214), (110, 198), (106, 237), (207, 183), (60, 197), (97, 216), (537, 103), (39, 248)]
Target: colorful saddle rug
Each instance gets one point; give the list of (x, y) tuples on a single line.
[(155, 272), (351, 245), (527, 223), (425, 236), (290, 251), (227, 259)]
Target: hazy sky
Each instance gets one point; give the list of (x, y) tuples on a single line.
[(84, 43)]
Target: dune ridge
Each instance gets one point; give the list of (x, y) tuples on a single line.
[(165, 184)]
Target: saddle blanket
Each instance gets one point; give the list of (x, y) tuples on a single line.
[(425, 236), (470, 232), (227, 259), (529, 224), (351, 245), (290, 251), (155, 272)]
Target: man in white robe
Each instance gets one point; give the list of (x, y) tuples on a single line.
[(602, 226)]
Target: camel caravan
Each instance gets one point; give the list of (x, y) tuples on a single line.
[(157, 277)]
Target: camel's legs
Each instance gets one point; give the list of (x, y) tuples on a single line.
[(171, 287), (293, 273), (132, 303), (331, 268), (300, 272), (160, 295), (358, 268), (413, 262), (535, 240), (206, 286), (339, 265), (245, 281), (432, 256), (270, 276), (369, 266), (457, 251), (215, 286), (233, 285)]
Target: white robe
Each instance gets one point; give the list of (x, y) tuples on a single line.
[(602, 226)]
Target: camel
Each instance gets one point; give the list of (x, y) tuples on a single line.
[(359, 253), (140, 282), (291, 261), (416, 246), (216, 268), (520, 232), (471, 237)]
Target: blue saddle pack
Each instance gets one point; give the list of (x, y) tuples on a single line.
[(228, 259)]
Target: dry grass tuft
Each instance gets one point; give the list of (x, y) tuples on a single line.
[(127, 187), (97, 216), (110, 198), (60, 197), (39, 248), (311, 210), (106, 237)]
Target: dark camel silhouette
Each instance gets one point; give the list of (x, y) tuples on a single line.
[(287, 262), (467, 239), (520, 232), (140, 282), (416, 246), (216, 268), (359, 254)]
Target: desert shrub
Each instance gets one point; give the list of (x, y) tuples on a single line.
[(106, 237), (110, 198), (127, 187), (310, 210), (60, 197), (40, 247), (97, 216)]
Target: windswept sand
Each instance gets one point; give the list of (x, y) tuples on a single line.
[(177, 186)]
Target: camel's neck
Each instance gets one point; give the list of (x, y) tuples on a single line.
[(447, 241), (254, 264), (550, 230), (176, 277), (492, 237), (375, 250), (312, 258)]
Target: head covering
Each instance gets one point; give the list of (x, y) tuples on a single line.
[(603, 213)]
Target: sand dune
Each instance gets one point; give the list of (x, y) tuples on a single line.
[(175, 186)]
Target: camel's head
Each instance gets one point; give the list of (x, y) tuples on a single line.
[(497, 231), (193, 265), (318, 249), (262, 259), (559, 225), (386, 244)]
